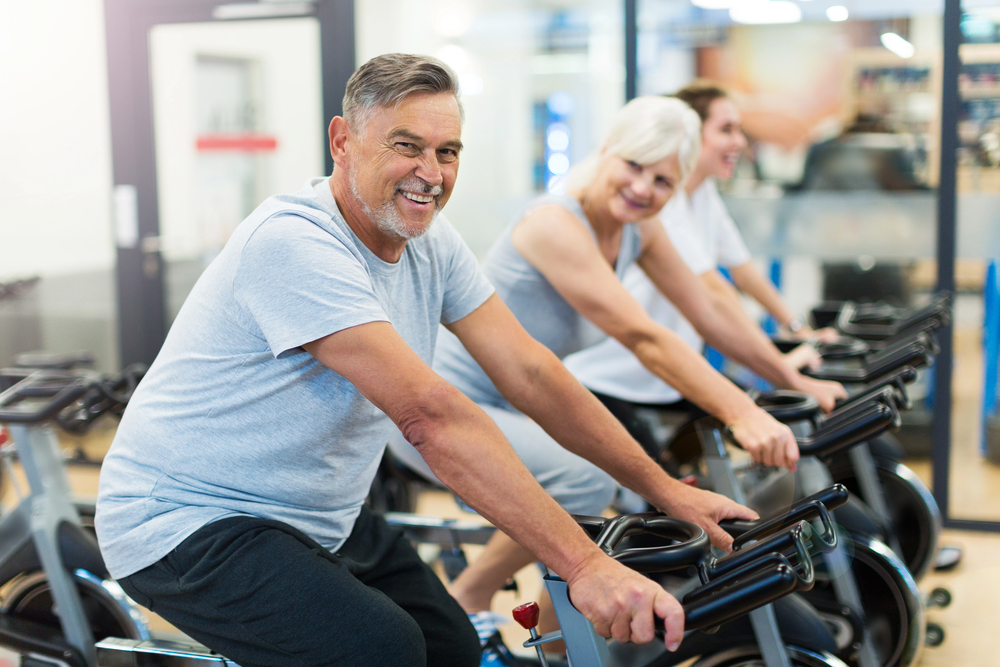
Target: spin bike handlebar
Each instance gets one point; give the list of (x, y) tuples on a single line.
[(843, 347), (897, 379), (914, 355), (61, 389), (855, 424), (734, 585), (772, 559), (806, 509), (888, 396), (852, 319), (41, 395), (793, 406), (830, 439)]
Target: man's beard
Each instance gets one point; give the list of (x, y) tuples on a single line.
[(386, 217)]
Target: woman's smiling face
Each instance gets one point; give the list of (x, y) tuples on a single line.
[(635, 192), (722, 140)]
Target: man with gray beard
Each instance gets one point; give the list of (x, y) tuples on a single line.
[(232, 499)]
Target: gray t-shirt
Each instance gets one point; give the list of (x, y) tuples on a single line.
[(536, 304), (235, 418)]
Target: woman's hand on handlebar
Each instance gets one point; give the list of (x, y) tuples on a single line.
[(824, 391), (621, 602), (825, 335), (707, 509), (803, 356), (767, 440)]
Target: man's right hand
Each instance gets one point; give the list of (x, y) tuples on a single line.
[(621, 602), (766, 439)]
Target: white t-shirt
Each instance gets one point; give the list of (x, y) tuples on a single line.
[(706, 237), (711, 221)]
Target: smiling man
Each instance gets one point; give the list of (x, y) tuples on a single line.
[(231, 502)]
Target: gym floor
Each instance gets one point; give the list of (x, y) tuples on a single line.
[(970, 623)]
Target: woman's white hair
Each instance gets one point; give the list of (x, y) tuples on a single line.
[(645, 131)]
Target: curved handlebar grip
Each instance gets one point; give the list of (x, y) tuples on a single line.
[(121, 388), (889, 355), (915, 355), (691, 548), (63, 361), (844, 347), (790, 542), (938, 311), (887, 322), (831, 498), (59, 389), (592, 525), (788, 406), (757, 588), (894, 345), (897, 379), (887, 396), (690, 542), (801, 511), (827, 441)]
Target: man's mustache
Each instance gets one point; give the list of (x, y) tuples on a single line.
[(420, 187)]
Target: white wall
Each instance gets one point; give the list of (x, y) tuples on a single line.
[(55, 171)]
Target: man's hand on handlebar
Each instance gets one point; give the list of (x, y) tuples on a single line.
[(707, 509), (824, 391), (767, 440), (621, 602)]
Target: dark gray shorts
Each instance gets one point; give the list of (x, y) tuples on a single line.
[(263, 593)]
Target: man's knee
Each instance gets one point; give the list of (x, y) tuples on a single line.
[(395, 639)]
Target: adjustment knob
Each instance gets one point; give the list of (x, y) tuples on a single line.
[(526, 615)]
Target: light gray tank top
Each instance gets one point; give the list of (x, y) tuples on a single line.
[(540, 309)]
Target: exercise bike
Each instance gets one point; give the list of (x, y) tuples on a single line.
[(792, 622), (56, 596), (773, 558), (900, 503)]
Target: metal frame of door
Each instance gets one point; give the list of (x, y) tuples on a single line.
[(141, 318), (946, 251)]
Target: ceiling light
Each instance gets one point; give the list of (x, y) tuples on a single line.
[(714, 4), (261, 10), (837, 13), (897, 45), (764, 11)]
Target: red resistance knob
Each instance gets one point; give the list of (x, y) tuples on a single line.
[(3, 435), (526, 615)]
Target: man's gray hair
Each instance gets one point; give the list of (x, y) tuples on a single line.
[(386, 80)]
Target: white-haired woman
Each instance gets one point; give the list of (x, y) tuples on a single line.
[(558, 267)]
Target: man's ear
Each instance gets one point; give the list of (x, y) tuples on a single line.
[(340, 135)]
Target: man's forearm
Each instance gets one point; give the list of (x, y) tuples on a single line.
[(470, 455)]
